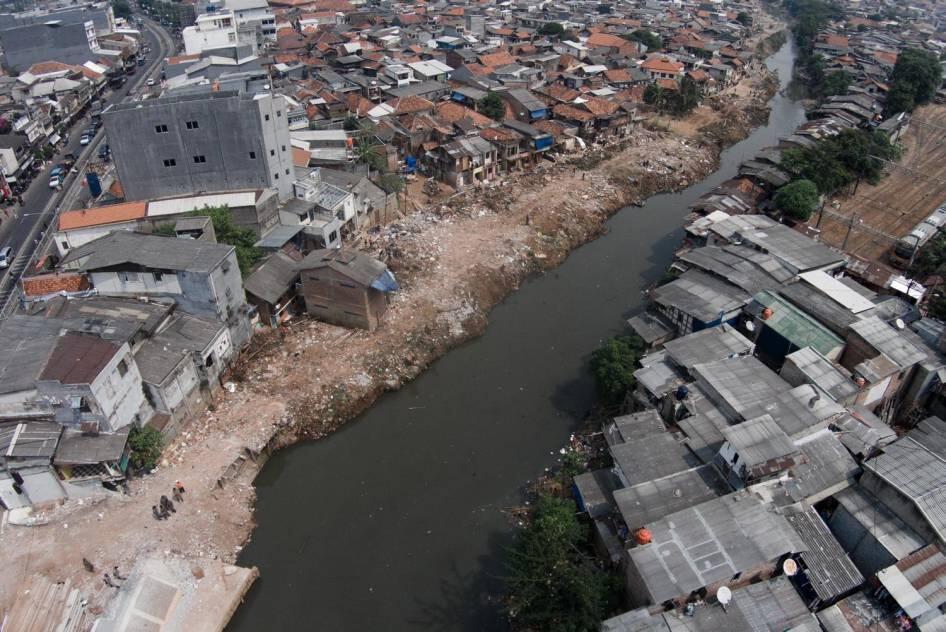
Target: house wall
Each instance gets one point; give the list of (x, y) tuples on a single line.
[(241, 140), (69, 239), (867, 553), (334, 298), (171, 395), (120, 397), (899, 505)]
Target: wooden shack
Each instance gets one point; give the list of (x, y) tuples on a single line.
[(345, 287)]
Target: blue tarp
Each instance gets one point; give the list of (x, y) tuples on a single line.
[(385, 282)]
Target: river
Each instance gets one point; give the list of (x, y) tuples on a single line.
[(394, 522)]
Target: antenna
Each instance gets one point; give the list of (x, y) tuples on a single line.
[(723, 596)]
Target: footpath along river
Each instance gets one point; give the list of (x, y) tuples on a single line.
[(394, 522)]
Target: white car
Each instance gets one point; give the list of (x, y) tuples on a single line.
[(85, 140), (150, 82), (55, 181)]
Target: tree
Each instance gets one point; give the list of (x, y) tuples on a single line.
[(367, 153), (229, 233), (744, 18), (613, 365), (351, 123), (917, 75), (166, 229), (492, 105), (839, 160), (797, 199), (121, 9), (145, 444), (648, 38), (552, 581), (834, 83), (552, 28)]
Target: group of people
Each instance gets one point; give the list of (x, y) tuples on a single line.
[(109, 580), (165, 507)]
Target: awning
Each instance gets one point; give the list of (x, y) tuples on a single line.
[(385, 282), (55, 138)]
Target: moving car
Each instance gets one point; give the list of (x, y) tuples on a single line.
[(6, 257), (150, 82), (55, 182)]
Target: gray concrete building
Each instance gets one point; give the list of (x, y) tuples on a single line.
[(201, 143), (69, 36)]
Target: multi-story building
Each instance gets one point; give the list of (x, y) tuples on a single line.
[(212, 142), (255, 13), (214, 31)]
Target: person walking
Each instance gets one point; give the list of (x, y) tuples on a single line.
[(108, 581), (167, 505), (158, 515), (176, 493), (179, 487)]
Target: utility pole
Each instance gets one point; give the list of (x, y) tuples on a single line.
[(824, 200), (850, 227)]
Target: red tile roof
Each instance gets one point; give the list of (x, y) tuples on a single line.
[(102, 215), (45, 284)]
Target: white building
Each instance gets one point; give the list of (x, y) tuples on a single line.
[(254, 13), (217, 30)]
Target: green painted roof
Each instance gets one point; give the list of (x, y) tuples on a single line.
[(795, 325)]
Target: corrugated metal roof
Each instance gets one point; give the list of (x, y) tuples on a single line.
[(889, 341), (874, 517), (817, 369), (794, 325), (649, 501), (759, 440), (78, 359), (919, 474), (710, 542), (708, 345), (742, 382), (838, 291), (830, 571)]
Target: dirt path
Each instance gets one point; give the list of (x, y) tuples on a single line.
[(902, 199), (454, 261)]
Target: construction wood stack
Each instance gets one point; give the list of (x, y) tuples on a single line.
[(47, 606)]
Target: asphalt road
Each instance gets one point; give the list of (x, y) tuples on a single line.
[(41, 205)]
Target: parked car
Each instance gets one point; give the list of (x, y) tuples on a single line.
[(104, 152), (150, 82), (69, 159), (55, 182), (56, 171), (6, 257), (85, 140)]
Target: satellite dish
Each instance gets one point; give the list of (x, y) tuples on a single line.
[(790, 567), (750, 326), (724, 595), (899, 323)]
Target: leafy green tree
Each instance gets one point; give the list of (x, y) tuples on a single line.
[(165, 230), (229, 233), (492, 105), (613, 365), (145, 444), (552, 580), (351, 123), (916, 77), (797, 199), (121, 9), (834, 83), (368, 153), (648, 38), (553, 29), (744, 18), (837, 161), (684, 98)]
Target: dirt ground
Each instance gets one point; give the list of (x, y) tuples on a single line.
[(454, 260), (908, 193)]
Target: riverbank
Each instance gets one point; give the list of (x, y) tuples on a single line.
[(455, 262)]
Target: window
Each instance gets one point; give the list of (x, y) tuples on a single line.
[(192, 125), (158, 276), (343, 284), (128, 277), (209, 361), (170, 162), (278, 112), (333, 236), (272, 152), (122, 368), (284, 148), (252, 155), (287, 172), (200, 159), (160, 129), (65, 245), (276, 176), (229, 293), (266, 117)]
